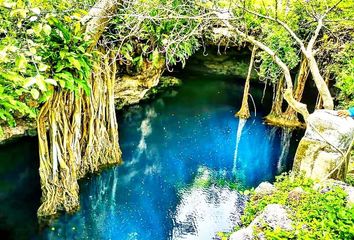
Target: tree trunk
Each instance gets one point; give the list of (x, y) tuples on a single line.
[(319, 101), (97, 19), (274, 117), (244, 112), (307, 52), (288, 93), (320, 83), (277, 100)]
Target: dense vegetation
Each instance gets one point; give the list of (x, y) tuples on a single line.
[(41, 48), (42, 45), (315, 215)]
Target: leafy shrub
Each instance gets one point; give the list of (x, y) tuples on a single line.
[(315, 215), (39, 51)]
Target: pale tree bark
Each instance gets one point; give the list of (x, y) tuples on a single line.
[(97, 19), (276, 110), (288, 93), (244, 111), (319, 102), (308, 52), (302, 77)]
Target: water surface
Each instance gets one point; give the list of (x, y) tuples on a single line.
[(175, 148)]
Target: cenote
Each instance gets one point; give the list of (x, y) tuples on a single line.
[(184, 152)]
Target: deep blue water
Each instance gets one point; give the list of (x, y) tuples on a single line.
[(168, 145)]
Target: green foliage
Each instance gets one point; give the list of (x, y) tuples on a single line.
[(160, 37), (315, 215), (343, 68), (350, 179), (39, 52), (279, 40)]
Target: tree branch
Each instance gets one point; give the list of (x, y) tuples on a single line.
[(97, 19), (288, 95)]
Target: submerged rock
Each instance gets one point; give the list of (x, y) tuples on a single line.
[(274, 216), (327, 138), (204, 178)]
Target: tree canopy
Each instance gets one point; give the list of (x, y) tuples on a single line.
[(42, 46)]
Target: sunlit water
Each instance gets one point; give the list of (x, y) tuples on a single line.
[(176, 151)]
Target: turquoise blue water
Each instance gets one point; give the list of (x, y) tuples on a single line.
[(174, 147)]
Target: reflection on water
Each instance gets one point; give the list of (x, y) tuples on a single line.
[(155, 194), (241, 124), (285, 140), (202, 212), (19, 189)]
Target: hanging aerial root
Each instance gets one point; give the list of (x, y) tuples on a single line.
[(244, 111), (82, 137)]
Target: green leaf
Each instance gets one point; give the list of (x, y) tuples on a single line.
[(155, 58), (75, 63), (40, 82), (12, 76), (42, 67), (47, 29), (51, 81), (21, 62), (35, 93)]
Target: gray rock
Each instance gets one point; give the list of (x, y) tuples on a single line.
[(233, 63), (320, 150), (274, 216), (243, 234), (296, 194), (265, 188)]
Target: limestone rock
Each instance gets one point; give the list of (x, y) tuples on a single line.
[(243, 234), (274, 216), (131, 89), (22, 128), (233, 63), (167, 85), (265, 188), (319, 151)]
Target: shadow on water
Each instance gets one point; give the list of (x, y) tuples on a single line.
[(173, 148), (19, 189)]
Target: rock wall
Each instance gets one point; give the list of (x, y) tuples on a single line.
[(325, 146), (231, 62), (130, 89), (22, 128)]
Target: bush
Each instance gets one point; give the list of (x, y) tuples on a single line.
[(315, 215)]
